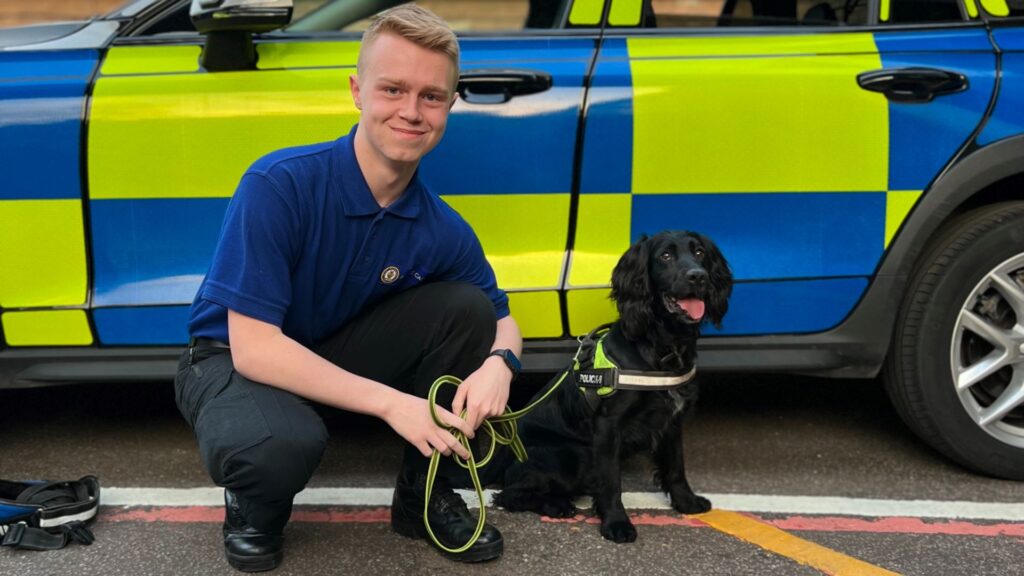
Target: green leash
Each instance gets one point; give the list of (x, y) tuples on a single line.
[(502, 430)]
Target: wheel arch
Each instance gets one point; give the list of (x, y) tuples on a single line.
[(983, 176), (979, 177)]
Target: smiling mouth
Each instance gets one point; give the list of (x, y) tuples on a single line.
[(692, 309), (408, 133)]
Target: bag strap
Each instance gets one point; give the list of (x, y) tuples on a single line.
[(25, 537)]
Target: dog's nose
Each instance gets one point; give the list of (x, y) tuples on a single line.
[(697, 278)]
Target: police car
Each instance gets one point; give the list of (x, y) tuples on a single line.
[(859, 162)]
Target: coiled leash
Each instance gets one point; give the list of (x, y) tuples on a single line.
[(501, 429)]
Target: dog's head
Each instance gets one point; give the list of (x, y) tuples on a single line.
[(676, 278)]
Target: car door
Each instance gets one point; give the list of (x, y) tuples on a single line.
[(43, 265), (757, 124), (168, 142)]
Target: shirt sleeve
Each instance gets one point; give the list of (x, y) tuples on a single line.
[(251, 269), (471, 266)]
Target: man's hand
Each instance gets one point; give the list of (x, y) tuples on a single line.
[(484, 393), (410, 417)]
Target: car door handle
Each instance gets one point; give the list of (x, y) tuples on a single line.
[(499, 85), (912, 85)]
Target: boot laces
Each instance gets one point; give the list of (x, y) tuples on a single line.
[(448, 500)]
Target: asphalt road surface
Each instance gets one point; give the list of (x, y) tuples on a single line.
[(807, 477)]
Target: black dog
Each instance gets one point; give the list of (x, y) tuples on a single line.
[(664, 287)]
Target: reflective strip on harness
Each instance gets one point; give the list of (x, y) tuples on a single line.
[(650, 381), (606, 377)]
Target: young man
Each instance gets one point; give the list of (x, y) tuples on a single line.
[(340, 279)]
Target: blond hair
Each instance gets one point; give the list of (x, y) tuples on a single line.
[(417, 25)]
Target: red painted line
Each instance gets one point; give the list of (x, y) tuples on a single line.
[(895, 525), (335, 515), (193, 514), (348, 515), (205, 514), (889, 525), (640, 519)]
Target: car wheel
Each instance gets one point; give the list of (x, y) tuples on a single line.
[(956, 368)]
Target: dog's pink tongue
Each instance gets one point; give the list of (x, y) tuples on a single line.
[(692, 306)]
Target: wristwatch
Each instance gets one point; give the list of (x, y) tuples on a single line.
[(510, 360)]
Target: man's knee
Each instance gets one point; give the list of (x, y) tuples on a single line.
[(241, 451), (279, 467), (467, 306), (266, 477)]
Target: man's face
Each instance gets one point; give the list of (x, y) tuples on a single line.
[(404, 92)]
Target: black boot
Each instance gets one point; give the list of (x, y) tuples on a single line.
[(449, 519), (248, 549)]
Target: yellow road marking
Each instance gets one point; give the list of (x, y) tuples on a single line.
[(780, 542)]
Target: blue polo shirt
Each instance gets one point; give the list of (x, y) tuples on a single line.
[(305, 246)]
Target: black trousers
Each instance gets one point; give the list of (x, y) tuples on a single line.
[(264, 443)]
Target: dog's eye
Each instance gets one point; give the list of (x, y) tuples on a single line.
[(699, 253), (666, 256)]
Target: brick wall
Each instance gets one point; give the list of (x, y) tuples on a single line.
[(20, 12), (462, 14)]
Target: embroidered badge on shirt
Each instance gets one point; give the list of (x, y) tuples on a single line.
[(390, 274)]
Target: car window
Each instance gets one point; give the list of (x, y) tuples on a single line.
[(461, 15), (347, 15), (174, 20), (923, 11), (708, 13), (1016, 7)]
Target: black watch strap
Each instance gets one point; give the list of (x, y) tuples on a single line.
[(510, 360)]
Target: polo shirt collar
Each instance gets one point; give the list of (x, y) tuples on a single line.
[(356, 197)]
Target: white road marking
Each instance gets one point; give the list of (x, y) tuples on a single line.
[(789, 505)]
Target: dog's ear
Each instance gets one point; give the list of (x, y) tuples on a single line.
[(631, 289), (721, 281)]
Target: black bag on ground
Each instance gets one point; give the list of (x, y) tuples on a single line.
[(41, 515)]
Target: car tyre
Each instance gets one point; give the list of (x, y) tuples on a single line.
[(955, 371)]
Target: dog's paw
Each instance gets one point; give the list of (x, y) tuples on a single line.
[(558, 508), (619, 531), (691, 504)]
